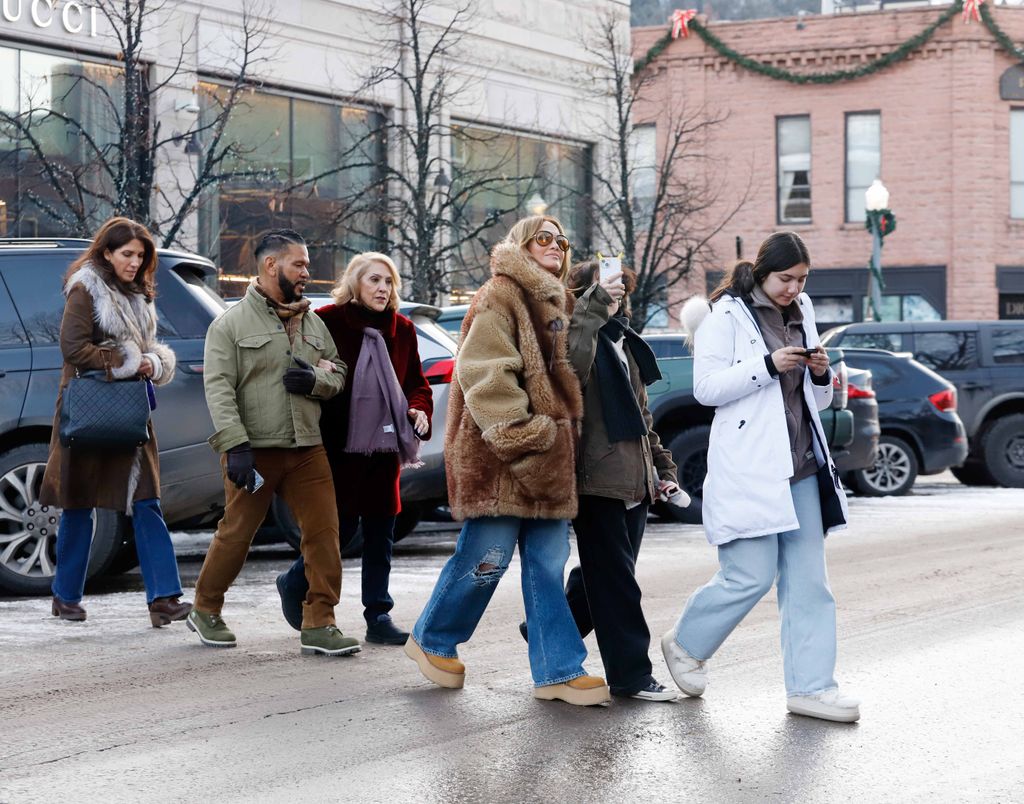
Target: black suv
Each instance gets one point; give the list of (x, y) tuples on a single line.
[(985, 361), (31, 307)]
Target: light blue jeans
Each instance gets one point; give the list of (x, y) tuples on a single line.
[(471, 575), (796, 560)]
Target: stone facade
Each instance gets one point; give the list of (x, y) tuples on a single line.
[(945, 147)]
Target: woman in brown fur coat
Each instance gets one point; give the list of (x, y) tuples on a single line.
[(109, 325), (510, 442)]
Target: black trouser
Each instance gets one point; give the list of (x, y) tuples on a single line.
[(603, 593), (378, 539)]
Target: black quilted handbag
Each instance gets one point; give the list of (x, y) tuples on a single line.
[(97, 413)]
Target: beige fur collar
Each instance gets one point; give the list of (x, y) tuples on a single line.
[(510, 260)]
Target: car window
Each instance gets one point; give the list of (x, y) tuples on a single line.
[(432, 341), (669, 347), (891, 341), (186, 305), (36, 286), (12, 333), (946, 351), (882, 374), (1008, 345)]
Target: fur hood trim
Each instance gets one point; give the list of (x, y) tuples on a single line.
[(692, 315), (129, 321)]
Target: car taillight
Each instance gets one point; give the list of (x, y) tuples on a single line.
[(440, 371), (839, 385), (854, 391), (944, 400)]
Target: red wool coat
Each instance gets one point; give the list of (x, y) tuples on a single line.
[(367, 485)]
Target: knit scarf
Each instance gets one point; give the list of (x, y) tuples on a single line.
[(290, 313), (623, 418), (378, 418)]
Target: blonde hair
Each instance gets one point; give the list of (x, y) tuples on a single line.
[(524, 230), (347, 289)]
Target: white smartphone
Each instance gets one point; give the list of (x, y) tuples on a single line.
[(609, 266), (257, 483)]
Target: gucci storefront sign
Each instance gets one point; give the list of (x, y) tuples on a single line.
[(73, 16)]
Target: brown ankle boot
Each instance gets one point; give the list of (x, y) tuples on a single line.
[(67, 611), (165, 610)]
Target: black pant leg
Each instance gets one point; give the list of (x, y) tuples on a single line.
[(608, 536), (576, 594), (378, 539)]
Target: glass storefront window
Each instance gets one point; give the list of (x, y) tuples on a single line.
[(58, 115), (300, 164), (905, 307), (501, 176)]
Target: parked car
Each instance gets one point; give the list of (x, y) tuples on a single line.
[(861, 451), (985, 361), (31, 307), (451, 319), (424, 488), (921, 431), (685, 425)]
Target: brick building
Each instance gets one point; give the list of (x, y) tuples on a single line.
[(938, 129)]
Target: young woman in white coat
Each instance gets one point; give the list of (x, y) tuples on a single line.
[(771, 491)]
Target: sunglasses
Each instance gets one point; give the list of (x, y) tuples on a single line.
[(544, 239)]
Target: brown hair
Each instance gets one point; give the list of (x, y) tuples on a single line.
[(584, 274), (347, 289), (524, 230), (779, 252), (113, 234)]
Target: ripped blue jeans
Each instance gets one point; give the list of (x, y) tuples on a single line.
[(471, 575)]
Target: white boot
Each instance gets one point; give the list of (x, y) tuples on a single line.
[(827, 705), (690, 674)]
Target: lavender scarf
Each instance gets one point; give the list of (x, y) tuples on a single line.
[(378, 418)]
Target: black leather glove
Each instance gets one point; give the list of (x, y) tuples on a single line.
[(241, 469), (300, 380)]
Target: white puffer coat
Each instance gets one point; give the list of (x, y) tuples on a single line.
[(746, 491)]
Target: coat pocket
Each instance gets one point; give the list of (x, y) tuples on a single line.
[(548, 476), (254, 367)]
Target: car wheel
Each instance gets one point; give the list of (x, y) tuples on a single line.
[(28, 531), (973, 474), (290, 532), (894, 471), (1003, 449), (690, 452)]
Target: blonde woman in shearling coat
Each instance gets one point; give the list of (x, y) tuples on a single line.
[(109, 324), (513, 415)]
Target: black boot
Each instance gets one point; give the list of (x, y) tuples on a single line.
[(383, 631)]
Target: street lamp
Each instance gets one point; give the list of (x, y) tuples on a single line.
[(879, 221), (536, 205)]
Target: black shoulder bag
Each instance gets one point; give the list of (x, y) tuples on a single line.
[(98, 412)]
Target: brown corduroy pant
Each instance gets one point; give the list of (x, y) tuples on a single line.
[(302, 477)]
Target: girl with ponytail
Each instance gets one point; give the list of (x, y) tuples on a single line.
[(771, 492)]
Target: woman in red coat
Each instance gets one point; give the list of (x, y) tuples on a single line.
[(370, 430)]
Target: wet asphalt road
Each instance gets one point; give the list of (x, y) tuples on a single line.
[(931, 620)]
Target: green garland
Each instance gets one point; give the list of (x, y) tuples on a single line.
[(880, 63)]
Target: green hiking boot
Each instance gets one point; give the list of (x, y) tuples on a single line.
[(329, 641), (211, 629)]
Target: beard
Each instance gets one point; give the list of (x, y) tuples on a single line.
[(288, 289)]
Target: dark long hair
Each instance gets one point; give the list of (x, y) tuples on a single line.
[(779, 252), (112, 235), (584, 274)]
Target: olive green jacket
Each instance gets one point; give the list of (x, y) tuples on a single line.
[(623, 470), (247, 354)]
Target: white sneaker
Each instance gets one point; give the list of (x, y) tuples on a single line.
[(827, 705), (690, 674)]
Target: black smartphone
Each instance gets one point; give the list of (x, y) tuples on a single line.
[(809, 352)]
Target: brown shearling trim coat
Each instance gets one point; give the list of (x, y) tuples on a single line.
[(515, 403)]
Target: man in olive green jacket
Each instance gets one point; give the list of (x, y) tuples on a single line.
[(268, 364)]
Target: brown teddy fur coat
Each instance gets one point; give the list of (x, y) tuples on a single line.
[(515, 403)]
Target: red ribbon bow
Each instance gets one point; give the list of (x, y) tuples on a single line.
[(972, 9), (681, 21)]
